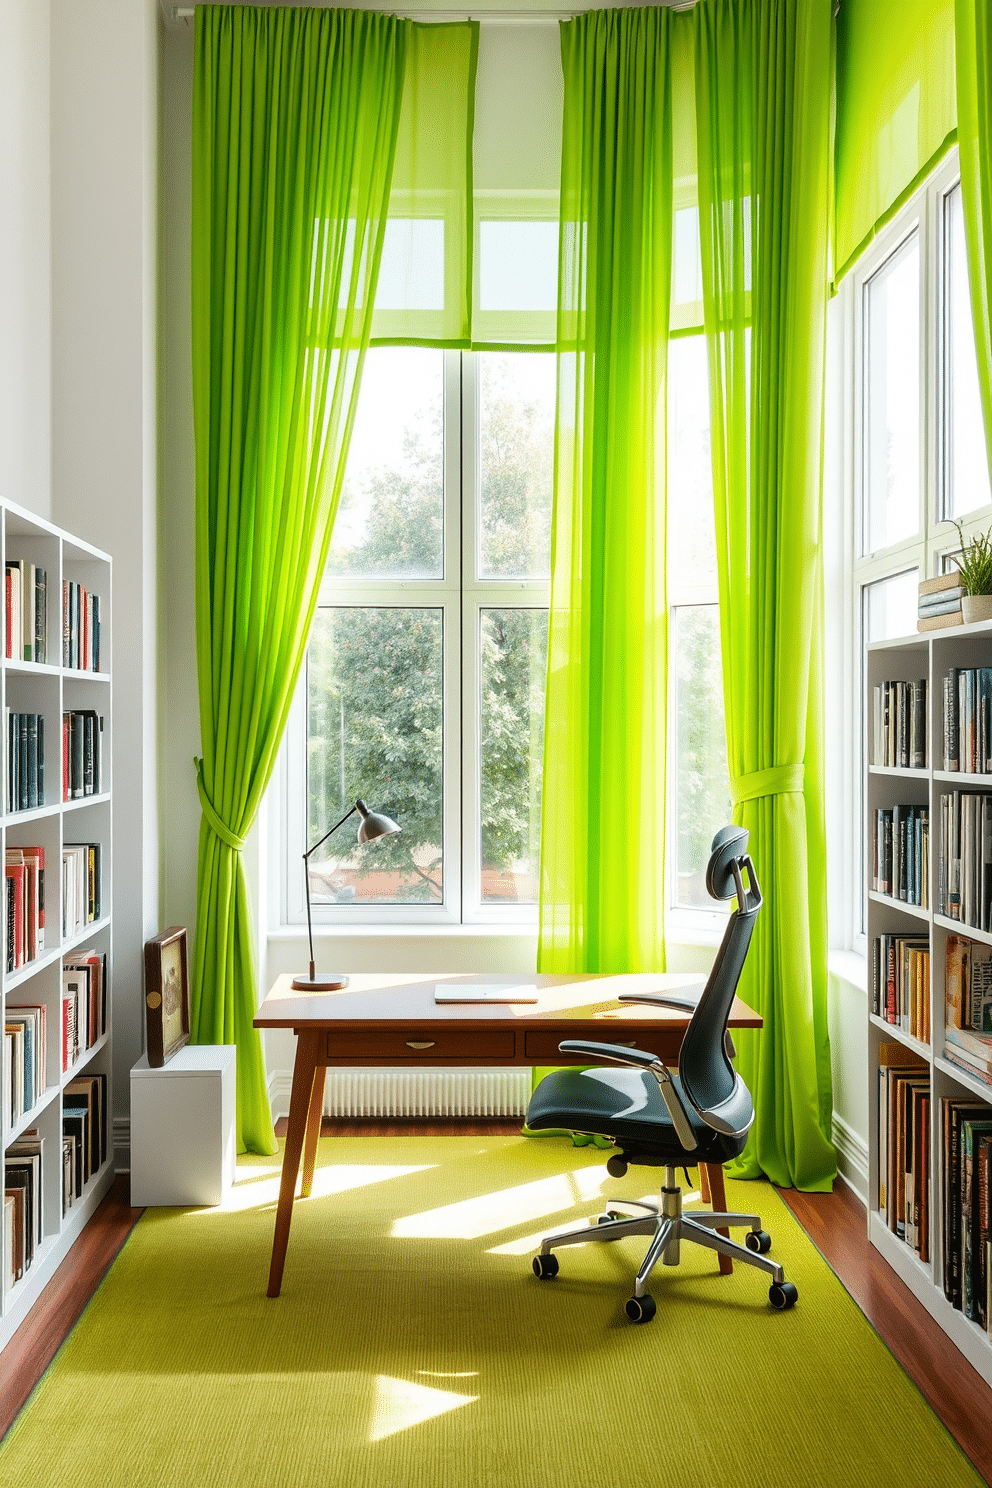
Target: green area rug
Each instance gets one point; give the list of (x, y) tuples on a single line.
[(413, 1346)]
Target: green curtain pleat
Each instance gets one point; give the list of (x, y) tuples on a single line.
[(763, 102), (973, 29), (603, 813), (294, 129), (895, 111)]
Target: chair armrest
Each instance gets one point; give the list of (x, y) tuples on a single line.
[(612, 1053), (687, 1001), (683, 1001), (640, 1059)]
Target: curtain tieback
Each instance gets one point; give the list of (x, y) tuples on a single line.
[(220, 828), (777, 780)]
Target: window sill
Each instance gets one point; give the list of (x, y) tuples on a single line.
[(849, 967), (411, 931)]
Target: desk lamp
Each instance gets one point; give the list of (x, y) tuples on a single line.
[(372, 825)]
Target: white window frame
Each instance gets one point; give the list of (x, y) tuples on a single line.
[(461, 596), (936, 536)]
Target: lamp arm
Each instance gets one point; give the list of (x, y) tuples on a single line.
[(323, 839)]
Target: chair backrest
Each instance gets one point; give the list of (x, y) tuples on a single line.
[(708, 1078)]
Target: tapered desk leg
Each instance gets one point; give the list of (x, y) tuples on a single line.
[(308, 1049), (712, 1192), (313, 1129)]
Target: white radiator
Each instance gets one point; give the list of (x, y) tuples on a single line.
[(426, 1092)]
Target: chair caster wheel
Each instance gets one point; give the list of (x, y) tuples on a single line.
[(640, 1309), (759, 1241), (605, 1218), (782, 1295), (545, 1267), (616, 1166)]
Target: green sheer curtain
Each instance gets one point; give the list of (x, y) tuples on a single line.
[(424, 294), (973, 23), (762, 103), (603, 815), (295, 116), (895, 111)]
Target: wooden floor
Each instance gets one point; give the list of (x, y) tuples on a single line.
[(834, 1222)]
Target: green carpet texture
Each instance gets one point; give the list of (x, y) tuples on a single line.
[(413, 1346)]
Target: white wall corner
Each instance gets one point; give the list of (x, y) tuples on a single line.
[(104, 203)]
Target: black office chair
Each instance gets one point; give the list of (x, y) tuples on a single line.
[(701, 1115)]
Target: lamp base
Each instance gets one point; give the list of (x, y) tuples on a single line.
[(324, 981)]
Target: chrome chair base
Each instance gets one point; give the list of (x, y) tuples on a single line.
[(668, 1226)]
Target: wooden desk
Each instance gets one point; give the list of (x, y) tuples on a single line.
[(390, 1020)]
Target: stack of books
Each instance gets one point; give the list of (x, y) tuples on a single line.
[(964, 859), (904, 1146), (899, 736), (940, 602), (966, 1149)]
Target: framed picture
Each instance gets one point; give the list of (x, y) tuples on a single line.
[(166, 995)]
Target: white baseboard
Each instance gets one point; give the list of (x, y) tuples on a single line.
[(852, 1157)]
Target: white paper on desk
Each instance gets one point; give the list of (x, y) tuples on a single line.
[(485, 992)]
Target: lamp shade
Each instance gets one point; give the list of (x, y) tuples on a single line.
[(374, 824)]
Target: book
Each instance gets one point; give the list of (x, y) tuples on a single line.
[(971, 1130), (940, 622), (940, 604), (941, 583), (953, 1113)]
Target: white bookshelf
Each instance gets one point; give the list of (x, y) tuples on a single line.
[(50, 689), (909, 658)]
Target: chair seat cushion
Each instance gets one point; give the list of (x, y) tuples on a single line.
[(626, 1105)]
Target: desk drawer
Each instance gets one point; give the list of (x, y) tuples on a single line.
[(542, 1047), (421, 1044)]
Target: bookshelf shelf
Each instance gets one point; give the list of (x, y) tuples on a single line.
[(957, 927), (901, 772), (36, 813), (63, 581), (86, 1056), (962, 1077), (77, 942), (31, 668), (84, 801), (899, 905), (892, 1030), (911, 1176), (30, 1118)]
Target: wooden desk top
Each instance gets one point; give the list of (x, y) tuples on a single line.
[(563, 1001)]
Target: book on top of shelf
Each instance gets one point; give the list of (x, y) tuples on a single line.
[(81, 628), (940, 583), (26, 611)]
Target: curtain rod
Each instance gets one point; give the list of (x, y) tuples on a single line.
[(187, 12)]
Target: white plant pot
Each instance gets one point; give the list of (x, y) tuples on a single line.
[(975, 607)]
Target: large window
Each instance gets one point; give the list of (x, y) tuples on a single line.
[(426, 670), (917, 456)]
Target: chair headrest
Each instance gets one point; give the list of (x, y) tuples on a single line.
[(729, 846)]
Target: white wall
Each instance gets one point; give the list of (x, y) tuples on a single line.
[(104, 174), (25, 256)]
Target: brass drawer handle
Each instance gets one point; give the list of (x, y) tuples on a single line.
[(420, 1043)]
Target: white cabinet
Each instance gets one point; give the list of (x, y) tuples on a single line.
[(183, 1141)]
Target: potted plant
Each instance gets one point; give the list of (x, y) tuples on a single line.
[(975, 563)]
